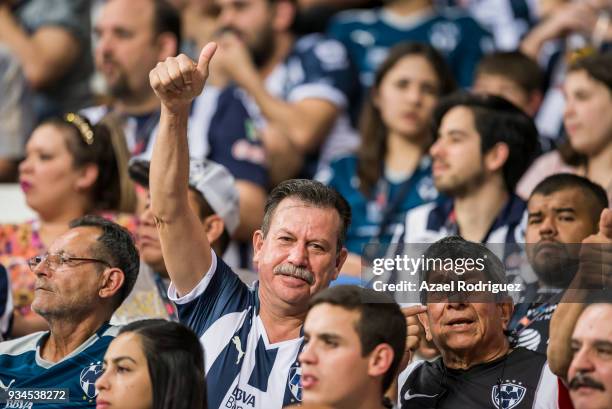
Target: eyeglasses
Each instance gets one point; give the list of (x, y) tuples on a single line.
[(54, 261)]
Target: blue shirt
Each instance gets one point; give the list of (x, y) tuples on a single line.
[(243, 369), (21, 366), (368, 212), (369, 34)]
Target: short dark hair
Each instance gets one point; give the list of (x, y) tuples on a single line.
[(498, 121), (596, 194), (116, 246), (515, 66), (456, 247), (313, 193), (380, 320), (166, 19), (176, 363)]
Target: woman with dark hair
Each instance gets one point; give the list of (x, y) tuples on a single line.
[(588, 122), (153, 364), (391, 172), (71, 169)]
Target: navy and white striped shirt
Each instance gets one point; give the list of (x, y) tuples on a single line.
[(243, 369), (433, 221)]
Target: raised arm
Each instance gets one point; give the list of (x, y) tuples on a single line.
[(177, 81), (45, 55)]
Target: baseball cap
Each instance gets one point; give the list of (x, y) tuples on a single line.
[(214, 182)]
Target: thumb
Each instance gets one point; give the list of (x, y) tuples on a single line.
[(413, 310), (605, 223), (207, 52)]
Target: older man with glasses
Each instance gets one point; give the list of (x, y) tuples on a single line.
[(80, 282)]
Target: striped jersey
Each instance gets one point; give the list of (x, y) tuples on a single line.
[(243, 369), (433, 221)]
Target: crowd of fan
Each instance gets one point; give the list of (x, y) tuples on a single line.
[(213, 179)]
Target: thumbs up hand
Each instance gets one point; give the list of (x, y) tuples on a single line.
[(178, 80)]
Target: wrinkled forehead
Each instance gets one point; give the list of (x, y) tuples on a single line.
[(594, 323), (293, 208), (78, 240), (570, 197)]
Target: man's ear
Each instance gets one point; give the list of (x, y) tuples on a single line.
[(258, 242), (284, 15), (340, 259), (380, 360), (507, 308), (88, 176), (496, 157), (213, 226), (168, 45), (113, 280), (534, 102), (424, 320)]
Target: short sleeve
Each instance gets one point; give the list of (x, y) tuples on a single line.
[(326, 69), (220, 292)]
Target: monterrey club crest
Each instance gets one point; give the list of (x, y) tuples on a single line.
[(88, 378), (508, 394), (294, 382)]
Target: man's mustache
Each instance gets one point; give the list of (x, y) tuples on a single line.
[(109, 59), (290, 270), (581, 380)]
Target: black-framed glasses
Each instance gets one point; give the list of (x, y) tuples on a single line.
[(54, 261)]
